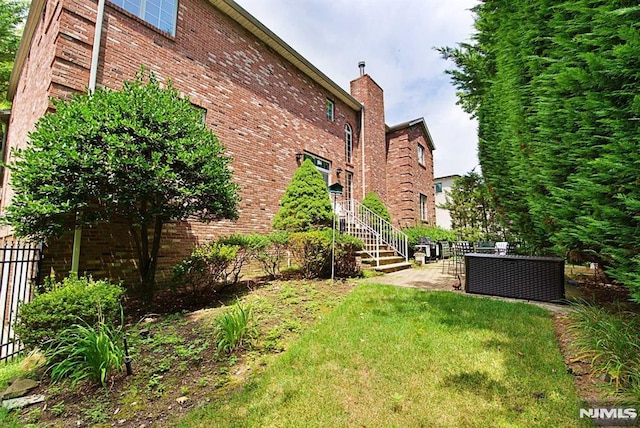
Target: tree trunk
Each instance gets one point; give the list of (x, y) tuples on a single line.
[(147, 253)]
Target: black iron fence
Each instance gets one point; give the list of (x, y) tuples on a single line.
[(19, 268)]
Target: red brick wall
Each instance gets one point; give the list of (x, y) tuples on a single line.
[(31, 98), (260, 106), (407, 178)]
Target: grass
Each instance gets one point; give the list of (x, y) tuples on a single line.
[(401, 357)]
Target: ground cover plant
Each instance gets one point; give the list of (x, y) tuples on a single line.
[(182, 360), (402, 357)]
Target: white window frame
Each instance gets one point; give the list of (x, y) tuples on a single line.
[(330, 109), (423, 207), (420, 154), (348, 143), (141, 6)]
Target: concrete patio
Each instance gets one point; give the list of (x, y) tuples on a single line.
[(431, 277)]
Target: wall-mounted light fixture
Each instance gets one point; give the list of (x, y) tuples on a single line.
[(299, 157), (338, 172)]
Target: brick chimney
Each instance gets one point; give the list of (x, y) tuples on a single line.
[(365, 90)]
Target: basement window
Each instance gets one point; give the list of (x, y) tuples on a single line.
[(161, 14)]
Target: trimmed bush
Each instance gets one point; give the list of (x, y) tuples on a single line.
[(71, 301), (272, 255), (305, 204), (373, 202), (205, 266), (312, 253), (249, 246), (435, 233), (347, 248)]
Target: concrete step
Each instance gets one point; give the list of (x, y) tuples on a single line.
[(388, 260), (392, 267), (383, 253)]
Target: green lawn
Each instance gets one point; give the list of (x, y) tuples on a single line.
[(402, 357)]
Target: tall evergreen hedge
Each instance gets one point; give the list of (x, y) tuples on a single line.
[(555, 86)]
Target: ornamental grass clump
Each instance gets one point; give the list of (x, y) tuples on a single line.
[(611, 341), (233, 328), (85, 351)]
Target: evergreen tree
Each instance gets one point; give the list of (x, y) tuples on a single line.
[(305, 204), (471, 209), (373, 202)]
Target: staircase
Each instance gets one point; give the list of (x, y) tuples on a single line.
[(385, 247)]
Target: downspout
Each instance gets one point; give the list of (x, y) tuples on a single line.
[(93, 77), (362, 140)]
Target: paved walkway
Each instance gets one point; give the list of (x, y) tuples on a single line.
[(431, 277)]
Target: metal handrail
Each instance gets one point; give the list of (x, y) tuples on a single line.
[(369, 227)]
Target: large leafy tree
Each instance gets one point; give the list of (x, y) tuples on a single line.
[(141, 156), (305, 204), (554, 85), (471, 208), (12, 15)]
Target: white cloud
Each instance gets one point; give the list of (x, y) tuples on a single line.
[(396, 40)]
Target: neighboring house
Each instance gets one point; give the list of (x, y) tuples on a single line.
[(267, 104), (442, 188)]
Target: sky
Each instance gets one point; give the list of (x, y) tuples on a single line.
[(396, 40)]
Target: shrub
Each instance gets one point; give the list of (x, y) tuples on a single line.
[(86, 351), (312, 253), (373, 202), (272, 255), (48, 314), (347, 248), (249, 247), (204, 267), (233, 329), (305, 204), (434, 232)]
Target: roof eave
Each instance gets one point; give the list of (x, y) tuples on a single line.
[(419, 121), (255, 27), (228, 7), (37, 6)]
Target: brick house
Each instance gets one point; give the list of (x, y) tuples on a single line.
[(266, 103)]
